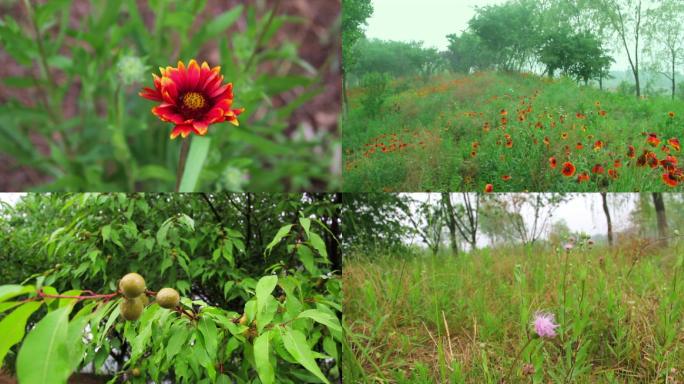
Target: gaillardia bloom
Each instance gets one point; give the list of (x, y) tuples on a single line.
[(192, 97)]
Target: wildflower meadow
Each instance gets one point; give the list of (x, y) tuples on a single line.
[(514, 132), (562, 96), (565, 306)]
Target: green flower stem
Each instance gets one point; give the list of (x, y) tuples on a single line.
[(517, 359), (185, 147)]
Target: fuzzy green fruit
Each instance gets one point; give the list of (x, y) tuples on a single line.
[(132, 285), (136, 372), (131, 309), (168, 298)]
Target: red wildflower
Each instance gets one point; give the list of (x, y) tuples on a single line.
[(509, 143), (568, 169), (552, 162), (653, 139), (630, 152), (505, 177), (489, 188), (192, 98), (674, 143), (579, 146), (617, 163), (582, 177), (598, 145), (669, 179), (602, 112), (669, 163), (503, 112), (613, 173), (597, 169), (671, 114)]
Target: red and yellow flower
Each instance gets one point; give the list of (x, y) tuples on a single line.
[(597, 169), (552, 162), (192, 97), (489, 188), (582, 177), (653, 139), (669, 179), (568, 169), (674, 143)]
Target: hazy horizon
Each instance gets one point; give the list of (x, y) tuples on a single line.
[(433, 20)]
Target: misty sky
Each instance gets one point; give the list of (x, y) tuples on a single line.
[(431, 20), (581, 212)]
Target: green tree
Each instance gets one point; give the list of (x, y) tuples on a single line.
[(665, 36), (354, 15), (259, 290)]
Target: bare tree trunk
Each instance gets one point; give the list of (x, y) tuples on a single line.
[(604, 199), (673, 76), (659, 205), (451, 222)]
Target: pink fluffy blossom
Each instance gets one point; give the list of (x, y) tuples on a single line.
[(544, 325)]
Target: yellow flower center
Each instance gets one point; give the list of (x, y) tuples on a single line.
[(193, 100)]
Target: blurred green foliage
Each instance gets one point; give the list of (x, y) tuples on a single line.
[(100, 136)]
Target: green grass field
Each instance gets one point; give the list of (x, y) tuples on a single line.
[(464, 319), (465, 132)]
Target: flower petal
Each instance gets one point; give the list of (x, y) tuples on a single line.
[(201, 127), (193, 74), (181, 129)]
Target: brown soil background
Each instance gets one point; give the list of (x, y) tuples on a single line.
[(318, 39)]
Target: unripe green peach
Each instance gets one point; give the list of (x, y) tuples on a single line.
[(132, 285), (168, 298), (131, 309)]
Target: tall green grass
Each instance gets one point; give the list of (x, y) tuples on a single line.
[(463, 319)]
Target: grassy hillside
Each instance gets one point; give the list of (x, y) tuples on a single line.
[(463, 133), (466, 319)]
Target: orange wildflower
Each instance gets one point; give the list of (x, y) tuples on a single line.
[(568, 169)]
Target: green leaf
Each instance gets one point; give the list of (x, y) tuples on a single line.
[(295, 343), (10, 291), (282, 232), (306, 224), (210, 334), (262, 359), (307, 259), (199, 148), (106, 232), (13, 325), (264, 287), (44, 356), (324, 318), (176, 342), (318, 244), (155, 172), (223, 21)]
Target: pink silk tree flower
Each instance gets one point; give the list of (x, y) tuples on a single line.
[(544, 325)]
